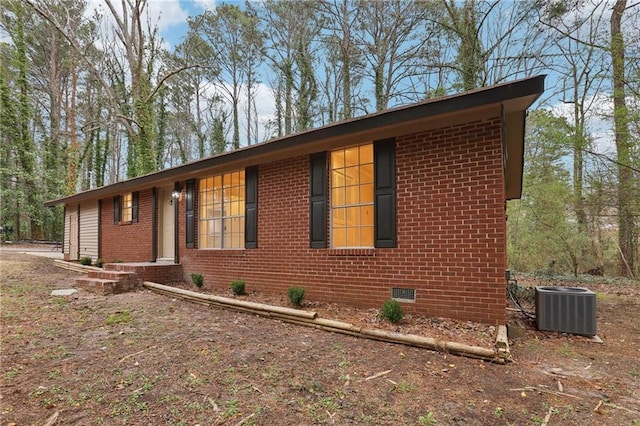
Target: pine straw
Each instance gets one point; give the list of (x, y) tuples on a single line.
[(446, 329)]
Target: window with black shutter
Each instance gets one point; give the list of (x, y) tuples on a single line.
[(318, 200), (190, 213), (385, 192), (251, 208)]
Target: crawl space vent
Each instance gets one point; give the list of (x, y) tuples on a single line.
[(403, 294)]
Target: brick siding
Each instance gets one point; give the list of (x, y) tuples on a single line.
[(451, 233), (130, 242)]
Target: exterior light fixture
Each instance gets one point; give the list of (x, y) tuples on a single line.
[(175, 194)]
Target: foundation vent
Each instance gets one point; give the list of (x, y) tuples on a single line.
[(403, 294)]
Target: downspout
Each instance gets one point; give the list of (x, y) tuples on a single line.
[(176, 224), (64, 225), (78, 239), (154, 224), (99, 229)]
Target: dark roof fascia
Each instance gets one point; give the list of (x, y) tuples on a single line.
[(532, 86)]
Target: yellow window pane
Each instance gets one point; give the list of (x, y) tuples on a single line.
[(353, 216), (366, 193), (241, 179), (351, 175), (337, 159), (366, 154), (238, 193), (351, 156), (366, 236), (366, 173), (366, 215), (338, 196), (352, 195), (353, 237), (339, 237), (337, 178), (217, 182), (339, 218)]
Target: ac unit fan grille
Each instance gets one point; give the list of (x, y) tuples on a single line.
[(566, 309)]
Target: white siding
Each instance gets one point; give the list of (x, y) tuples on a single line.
[(67, 224), (89, 230)]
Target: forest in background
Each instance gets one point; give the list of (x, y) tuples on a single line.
[(91, 96)]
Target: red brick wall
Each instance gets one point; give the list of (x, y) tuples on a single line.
[(450, 233), (129, 242)]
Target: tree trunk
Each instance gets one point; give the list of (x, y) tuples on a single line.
[(625, 177)]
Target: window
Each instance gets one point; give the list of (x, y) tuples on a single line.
[(352, 195), (222, 211), (360, 188), (127, 207)]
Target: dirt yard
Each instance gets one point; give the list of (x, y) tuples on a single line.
[(144, 359)]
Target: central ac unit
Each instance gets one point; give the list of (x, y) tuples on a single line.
[(566, 309)]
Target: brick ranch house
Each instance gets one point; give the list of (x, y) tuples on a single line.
[(408, 202)]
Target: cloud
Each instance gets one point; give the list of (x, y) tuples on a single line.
[(598, 121), (206, 4), (168, 15)]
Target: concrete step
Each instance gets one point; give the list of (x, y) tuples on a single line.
[(112, 275), (97, 285), (105, 286)]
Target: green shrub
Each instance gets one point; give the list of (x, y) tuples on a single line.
[(99, 262), (392, 311), (197, 279), (237, 287), (296, 294), (86, 261)]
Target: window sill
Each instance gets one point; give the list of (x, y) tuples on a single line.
[(352, 252), (124, 223), (223, 252)]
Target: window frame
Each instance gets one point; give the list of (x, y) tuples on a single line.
[(206, 188), (364, 186), (126, 207), (120, 217)]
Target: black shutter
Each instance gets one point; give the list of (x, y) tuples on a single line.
[(384, 152), (116, 209), (134, 207), (251, 208), (190, 218), (318, 200)]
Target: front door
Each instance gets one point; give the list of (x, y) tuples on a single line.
[(166, 228)]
